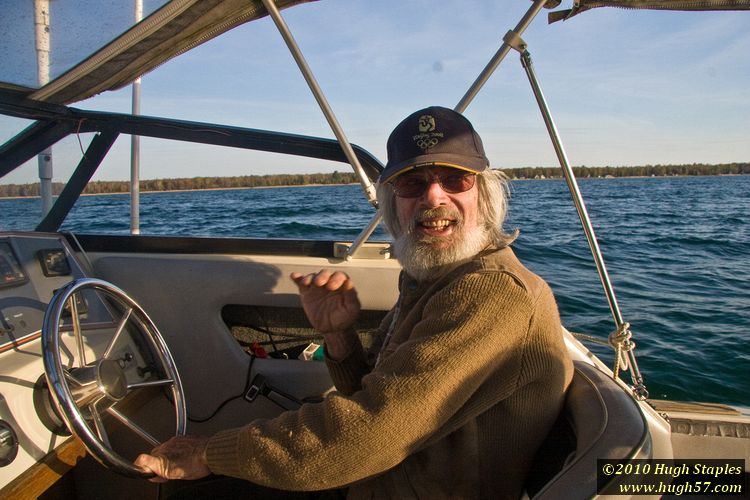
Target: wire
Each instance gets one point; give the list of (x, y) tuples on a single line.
[(266, 330), (225, 402), (286, 337), (290, 340)]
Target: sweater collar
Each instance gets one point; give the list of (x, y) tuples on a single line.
[(409, 284)]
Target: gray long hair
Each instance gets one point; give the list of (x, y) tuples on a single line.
[(494, 191)]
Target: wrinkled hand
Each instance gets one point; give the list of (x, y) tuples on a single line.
[(329, 299), (181, 457)]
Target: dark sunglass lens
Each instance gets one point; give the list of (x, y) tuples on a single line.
[(457, 183), (410, 186), (414, 186)]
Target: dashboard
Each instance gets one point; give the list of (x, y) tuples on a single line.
[(10, 268), (32, 267)]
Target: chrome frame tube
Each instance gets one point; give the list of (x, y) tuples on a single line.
[(364, 235), (638, 386), (488, 70), (135, 147), (574, 190), (281, 25), (42, 42)]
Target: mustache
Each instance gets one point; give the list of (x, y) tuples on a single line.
[(435, 213)]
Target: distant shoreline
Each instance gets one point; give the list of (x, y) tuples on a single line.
[(119, 193), (544, 178)]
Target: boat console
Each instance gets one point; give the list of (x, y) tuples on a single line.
[(94, 369), (33, 267)]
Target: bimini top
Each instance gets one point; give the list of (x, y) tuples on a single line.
[(63, 52), (584, 5)]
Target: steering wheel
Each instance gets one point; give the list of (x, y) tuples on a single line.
[(84, 389)]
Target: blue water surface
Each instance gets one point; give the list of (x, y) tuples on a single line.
[(677, 250)]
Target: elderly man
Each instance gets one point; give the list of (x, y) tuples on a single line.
[(466, 375)]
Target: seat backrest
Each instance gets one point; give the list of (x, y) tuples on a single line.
[(606, 423)]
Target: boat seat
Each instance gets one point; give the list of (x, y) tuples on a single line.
[(599, 421)]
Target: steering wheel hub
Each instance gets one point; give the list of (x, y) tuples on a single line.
[(105, 379)]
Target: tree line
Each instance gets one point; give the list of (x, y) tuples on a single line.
[(254, 181), (192, 183), (584, 172)]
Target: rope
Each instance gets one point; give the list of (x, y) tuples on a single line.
[(590, 338), (619, 340)]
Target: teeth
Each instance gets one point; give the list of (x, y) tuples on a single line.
[(436, 224)]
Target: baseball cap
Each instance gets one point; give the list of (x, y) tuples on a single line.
[(434, 136)]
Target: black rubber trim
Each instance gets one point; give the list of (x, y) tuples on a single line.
[(200, 245)]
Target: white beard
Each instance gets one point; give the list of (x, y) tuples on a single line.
[(423, 261)]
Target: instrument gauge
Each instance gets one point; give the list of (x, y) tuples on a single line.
[(11, 272), (54, 262)]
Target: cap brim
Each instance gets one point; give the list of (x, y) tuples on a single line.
[(461, 162)]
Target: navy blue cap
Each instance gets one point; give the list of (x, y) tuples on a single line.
[(434, 136)]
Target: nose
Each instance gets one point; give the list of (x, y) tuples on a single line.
[(434, 195)]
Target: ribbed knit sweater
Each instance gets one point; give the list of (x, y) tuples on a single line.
[(468, 385)]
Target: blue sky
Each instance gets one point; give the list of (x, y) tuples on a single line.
[(625, 87)]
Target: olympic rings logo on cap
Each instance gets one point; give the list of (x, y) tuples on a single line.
[(427, 143)]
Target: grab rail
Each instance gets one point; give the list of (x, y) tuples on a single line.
[(281, 25), (625, 356), (493, 64)]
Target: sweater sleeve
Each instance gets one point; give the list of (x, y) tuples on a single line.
[(473, 327), (347, 373)]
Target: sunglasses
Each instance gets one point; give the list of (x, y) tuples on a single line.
[(413, 185)]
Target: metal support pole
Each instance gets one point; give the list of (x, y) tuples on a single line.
[(535, 8), (135, 148), (41, 25), (95, 153), (364, 235), (45, 180), (638, 386), (367, 186), (574, 190), (135, 166)]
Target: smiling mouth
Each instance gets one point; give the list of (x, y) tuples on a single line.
[(437, 221), (436, 224)]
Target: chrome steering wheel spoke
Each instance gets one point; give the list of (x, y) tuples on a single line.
[(118, 332), (101, 431), (73, 306), (137, 429)]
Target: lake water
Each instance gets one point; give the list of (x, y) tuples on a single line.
[(677, 249)]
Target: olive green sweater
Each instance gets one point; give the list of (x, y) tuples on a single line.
[(468, 385)]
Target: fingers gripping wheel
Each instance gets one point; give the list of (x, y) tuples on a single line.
[(92, 376)]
